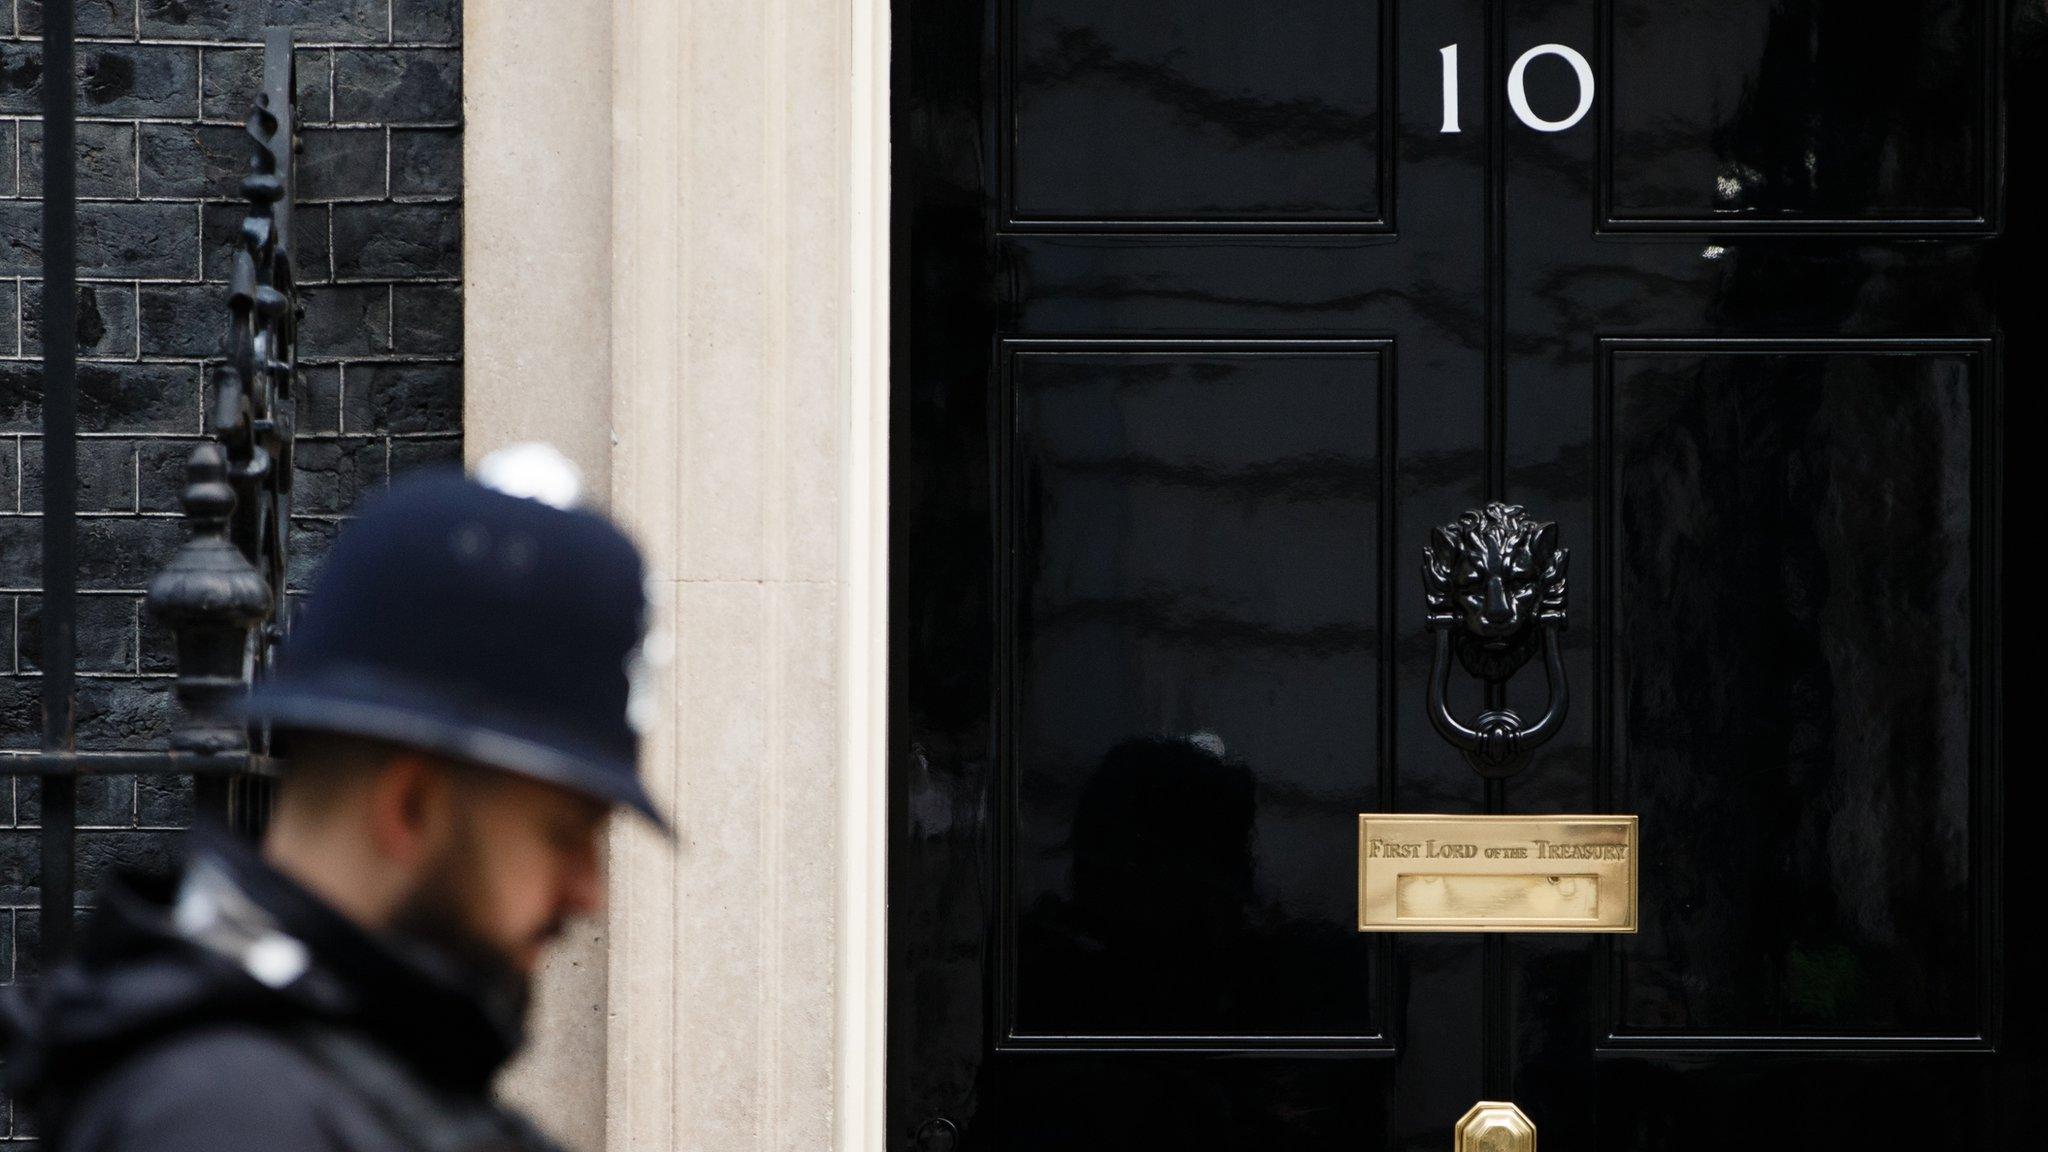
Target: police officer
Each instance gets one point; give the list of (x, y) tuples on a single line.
[(457, 701)]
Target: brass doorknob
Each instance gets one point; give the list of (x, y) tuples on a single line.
[(1495, 1126)]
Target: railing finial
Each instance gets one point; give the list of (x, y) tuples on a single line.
[(213, 599)]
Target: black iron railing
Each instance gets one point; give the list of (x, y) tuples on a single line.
[(223, 593)]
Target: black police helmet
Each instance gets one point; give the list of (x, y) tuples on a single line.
[(491, 628)]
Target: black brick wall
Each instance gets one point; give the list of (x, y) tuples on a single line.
[(162, 92)]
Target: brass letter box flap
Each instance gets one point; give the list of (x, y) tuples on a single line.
[(1496, 873)]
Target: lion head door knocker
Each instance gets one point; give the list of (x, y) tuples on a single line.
[(1495, 585)]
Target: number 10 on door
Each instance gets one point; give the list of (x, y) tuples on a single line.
[(1518, 95)]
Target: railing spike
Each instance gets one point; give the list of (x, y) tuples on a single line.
[(224, 592)]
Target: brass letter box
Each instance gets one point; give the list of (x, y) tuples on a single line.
[(1496, 873)]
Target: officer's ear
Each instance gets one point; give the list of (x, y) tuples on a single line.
[(408, 801)]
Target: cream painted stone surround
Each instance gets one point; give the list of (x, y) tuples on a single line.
[(676, 261)]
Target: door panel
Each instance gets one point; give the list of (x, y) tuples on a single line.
[(1203, 320), (1206, 112), (1794, 683), (1802, 115), (1195, 551)]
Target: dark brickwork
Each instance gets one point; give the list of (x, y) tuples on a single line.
[(162, 91)]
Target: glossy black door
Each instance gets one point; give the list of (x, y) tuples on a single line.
[(1203, 319)]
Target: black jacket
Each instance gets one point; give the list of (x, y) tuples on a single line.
[(230, 1010)]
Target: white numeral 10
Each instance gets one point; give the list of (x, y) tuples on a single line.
[(1518, 94)]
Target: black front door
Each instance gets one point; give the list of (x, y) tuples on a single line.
[(1207, 312)]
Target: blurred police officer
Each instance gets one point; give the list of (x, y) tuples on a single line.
[(457, 699)]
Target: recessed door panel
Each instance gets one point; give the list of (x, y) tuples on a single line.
[(1796, 558), (1814, 113), (1196, 113), (1194, 658)]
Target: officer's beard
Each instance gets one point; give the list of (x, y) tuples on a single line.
[(440, 913)]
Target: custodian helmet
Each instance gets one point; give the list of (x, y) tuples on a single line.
[(493, 628)]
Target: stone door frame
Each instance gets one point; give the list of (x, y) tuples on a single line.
[(676, 267)]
